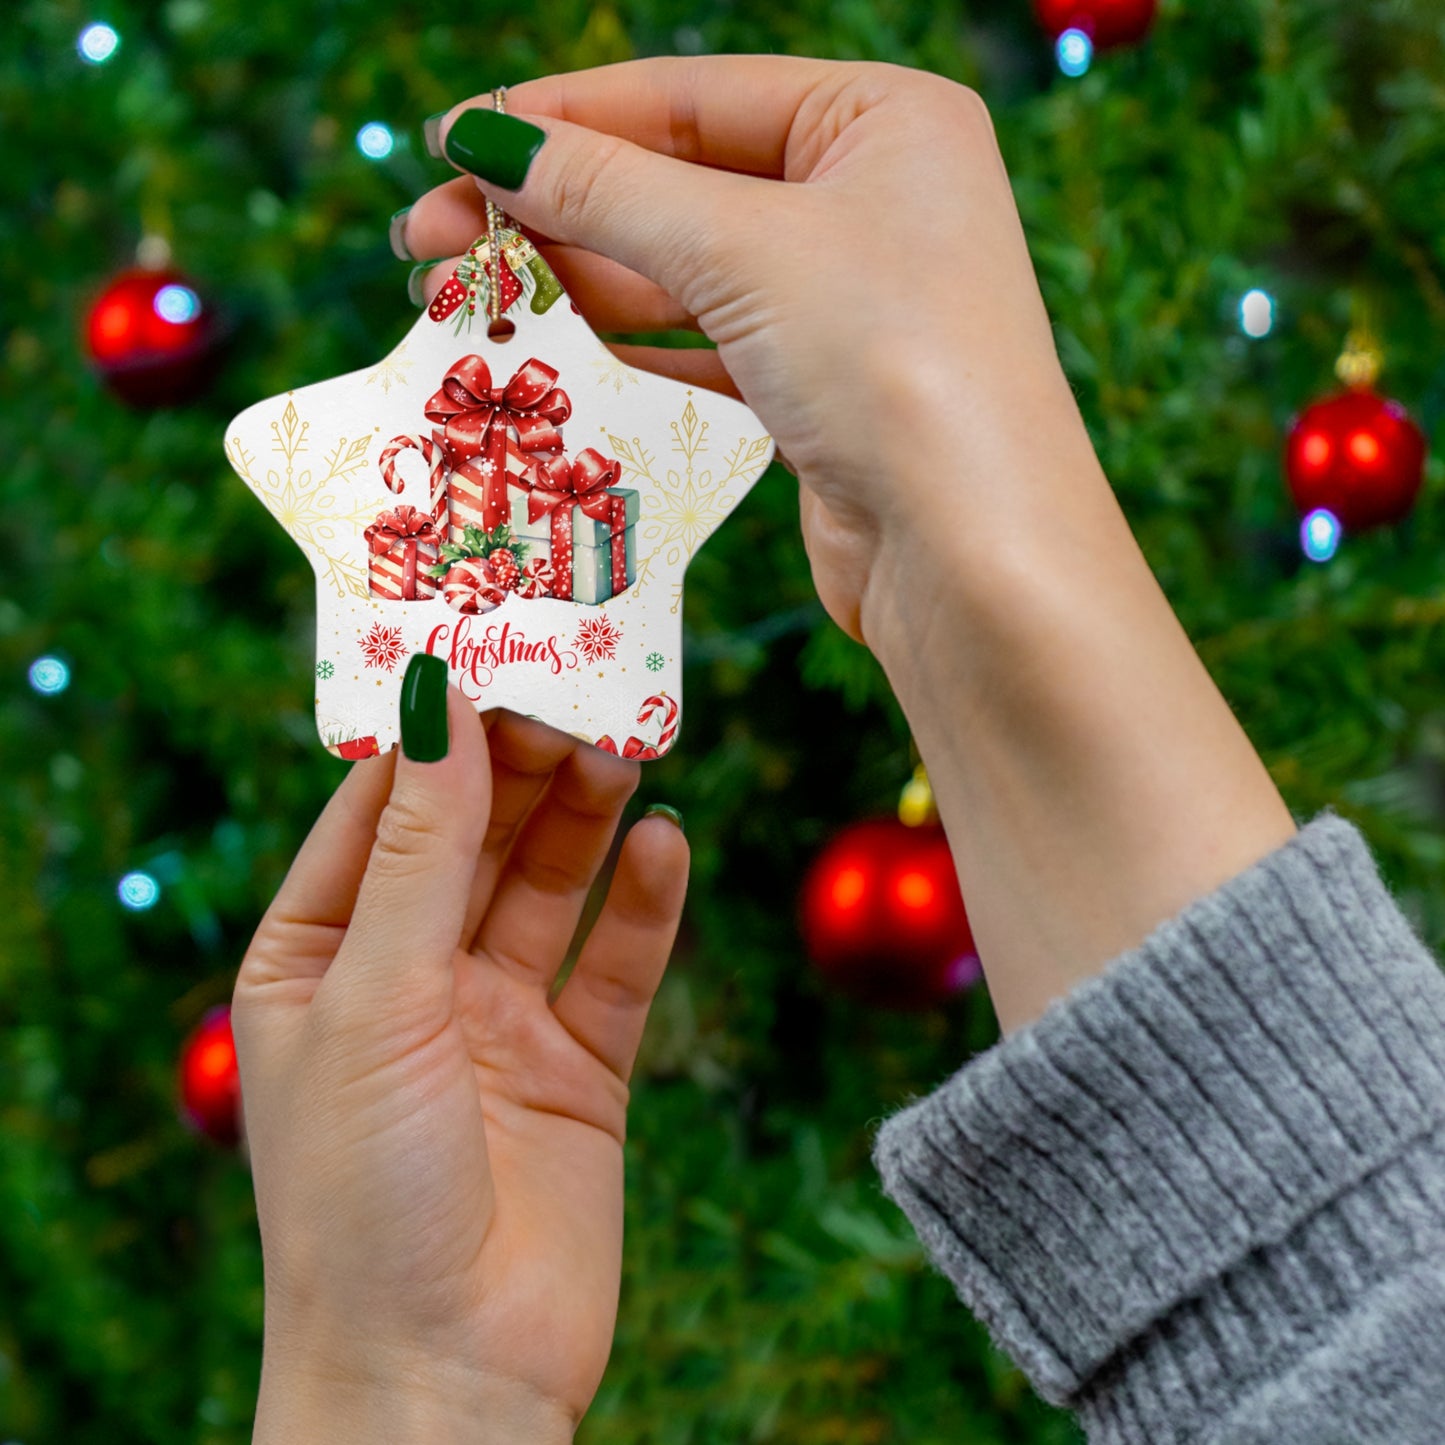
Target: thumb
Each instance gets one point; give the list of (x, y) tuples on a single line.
[(407, 922), (666, 219)]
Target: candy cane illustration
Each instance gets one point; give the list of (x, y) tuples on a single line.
[(537, 579), (634, 747), (434, 457), (471, 586)]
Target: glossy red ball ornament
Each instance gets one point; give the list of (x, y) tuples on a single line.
[(1359, 456), (883, 919), (209, 1081), (1107, 23), (152, 338)]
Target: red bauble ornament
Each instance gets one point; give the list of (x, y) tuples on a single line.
[(883, 918), (209, 1081), (1106, 22), (152, 338), (1359, 456)]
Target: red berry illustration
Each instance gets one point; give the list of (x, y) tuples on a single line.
[(504, 564)]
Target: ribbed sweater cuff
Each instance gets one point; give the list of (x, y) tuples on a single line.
[(1178, 1156)]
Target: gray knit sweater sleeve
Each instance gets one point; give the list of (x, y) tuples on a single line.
[(1201, 1201)]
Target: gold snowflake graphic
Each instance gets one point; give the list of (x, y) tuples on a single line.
[(391, 370), (682, 507), (309, 505), (610, 369)]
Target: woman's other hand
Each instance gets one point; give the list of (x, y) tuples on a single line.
[(437, 1147)]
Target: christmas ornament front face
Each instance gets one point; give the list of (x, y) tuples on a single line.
[(524, 509)]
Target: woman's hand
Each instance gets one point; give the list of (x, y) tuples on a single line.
[(880, 312), (846, 233), (437, 1148)]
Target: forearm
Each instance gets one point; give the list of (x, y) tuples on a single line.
[(1091, 778)]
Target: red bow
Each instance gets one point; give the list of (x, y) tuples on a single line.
[(635, 747), (405, 524), (552, 482), (475, 417), (632, 748)]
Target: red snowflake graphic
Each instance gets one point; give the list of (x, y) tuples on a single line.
[(597, 639), (383, 646)]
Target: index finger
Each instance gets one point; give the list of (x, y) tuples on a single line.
[(300, 930), (734, 112)]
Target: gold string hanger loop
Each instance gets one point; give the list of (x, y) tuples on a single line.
[(497, 329)]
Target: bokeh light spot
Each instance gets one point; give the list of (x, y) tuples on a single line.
[(1320, 535), (375, 140), (1256, 313), (49, 675), (138, 891), (97, 43), (966, 969), (177, 304), (1074, 52)]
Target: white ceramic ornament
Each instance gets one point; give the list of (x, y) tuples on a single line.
[(524, 508)]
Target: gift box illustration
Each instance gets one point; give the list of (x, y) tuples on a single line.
[(404, 546), (523, 507), (574, 515), (508, 499)]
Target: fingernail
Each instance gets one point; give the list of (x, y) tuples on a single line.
[(431, 133), (671, 814), (498, 148), (424, 708), (414, 292), (396, 234)]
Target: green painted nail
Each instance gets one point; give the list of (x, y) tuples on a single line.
[(414, 292), (671, 814), (396, 234), (424, 708), (431, 133), (498, 148)]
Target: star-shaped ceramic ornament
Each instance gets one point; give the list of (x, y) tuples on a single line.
[(523, 508)]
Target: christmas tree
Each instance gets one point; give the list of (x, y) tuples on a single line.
[(1212, 212)]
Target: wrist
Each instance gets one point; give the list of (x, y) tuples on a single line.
[(985, 524), (399, 1400), (1092, 779)]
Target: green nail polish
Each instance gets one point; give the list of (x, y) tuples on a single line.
[(396, 234), (414, 292), (431, 133), (498, 148), (671, 814), (424, 709)]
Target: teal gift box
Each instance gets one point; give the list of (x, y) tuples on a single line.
[(592, 548)]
